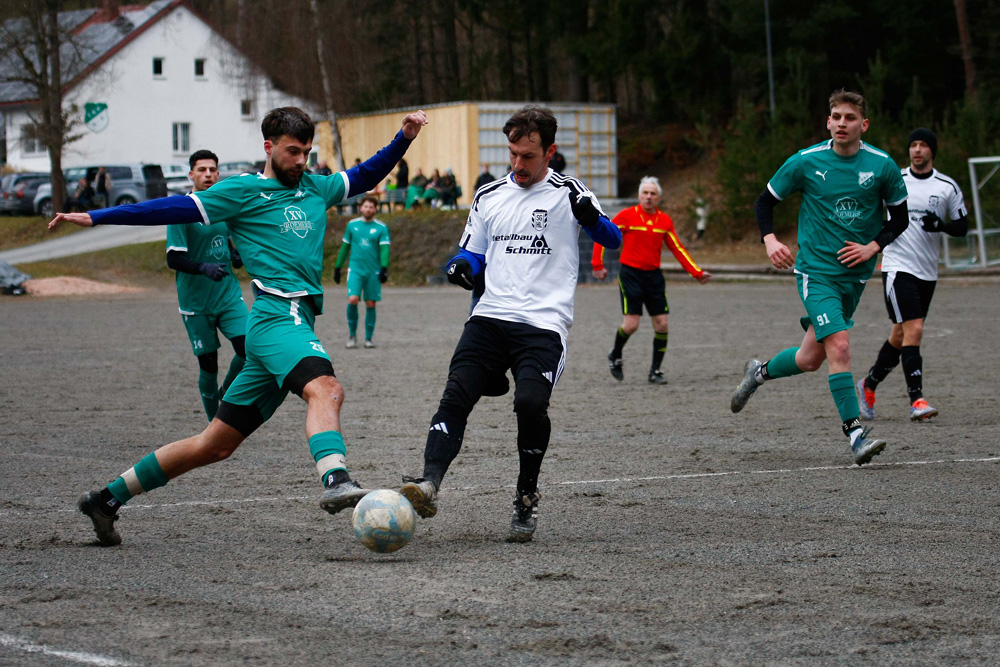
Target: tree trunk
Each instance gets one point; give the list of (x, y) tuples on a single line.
[(55, 130), (331, 115), (966, 44)]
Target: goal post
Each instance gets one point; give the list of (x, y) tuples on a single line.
[(983, 239)]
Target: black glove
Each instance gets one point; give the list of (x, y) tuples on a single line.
[(460, 273), (584, 208), (234, 255), (214, 271), (383, 274), (336, 274), (932, 223)]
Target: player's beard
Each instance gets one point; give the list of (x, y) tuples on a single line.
[(288, 177)]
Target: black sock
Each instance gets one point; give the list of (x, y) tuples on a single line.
[(913, 369), (888, 358), (337, 477), (659, 349), (620, 339), (108, 503)]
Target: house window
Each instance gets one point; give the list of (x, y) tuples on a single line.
[(246, 108), (30, 143), (157, 66), (182, 137), (199, 67)]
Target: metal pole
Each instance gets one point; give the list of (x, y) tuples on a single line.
[(770, 62)]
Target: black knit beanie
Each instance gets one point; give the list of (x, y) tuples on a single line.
[(925, 135)]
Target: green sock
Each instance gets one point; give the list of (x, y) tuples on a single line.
[(782, 365), (329, 453), (352, 319), (235, 366), (143, 477), (842, 388), (370, 315), (208, 385)]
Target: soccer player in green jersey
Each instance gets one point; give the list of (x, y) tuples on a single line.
[(208, 294), (844, 184), (367, 241), (277, 219)]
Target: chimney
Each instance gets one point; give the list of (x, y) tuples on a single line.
[(110, 10)]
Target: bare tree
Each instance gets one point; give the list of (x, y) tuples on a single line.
[(32, 48), (331, 115)]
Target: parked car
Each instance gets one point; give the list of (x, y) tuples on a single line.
[(176, 175), (17, 192), (130, 183), (227, 169)]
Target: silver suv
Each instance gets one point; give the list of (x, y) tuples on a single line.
[(130, 183)]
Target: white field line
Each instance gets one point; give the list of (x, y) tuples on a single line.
[(576, 482), (10, 641)]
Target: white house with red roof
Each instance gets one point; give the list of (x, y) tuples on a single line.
[(149, 83)]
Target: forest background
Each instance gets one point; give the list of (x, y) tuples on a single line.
[(689, 77)]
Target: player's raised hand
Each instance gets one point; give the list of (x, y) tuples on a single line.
[(584, 207), (413, 122), (779, 254), (460, 273), (82, 219)]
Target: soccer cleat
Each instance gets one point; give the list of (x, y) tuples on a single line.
[(352, 343), (865, 448), (920, 410), (522, 524), (422, 494), (656, 377), (616, 366), (369, 344), (747, 386), (866, 401), (342, 496), (104, 525)]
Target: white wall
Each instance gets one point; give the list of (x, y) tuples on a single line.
[(142, 109)]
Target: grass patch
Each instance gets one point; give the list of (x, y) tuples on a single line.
[(16, 231)]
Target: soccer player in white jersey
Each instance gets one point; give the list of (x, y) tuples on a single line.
[(910, 271), (526, 227), (277, 219)]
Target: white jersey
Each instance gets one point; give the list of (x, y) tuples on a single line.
[(916, 251), (530, 239)]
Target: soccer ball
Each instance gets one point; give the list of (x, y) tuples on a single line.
[(384, 521)]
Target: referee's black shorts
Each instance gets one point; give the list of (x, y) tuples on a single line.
[(638, 288), (906, 296)]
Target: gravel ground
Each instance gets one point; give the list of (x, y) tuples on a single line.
[(671, 530)]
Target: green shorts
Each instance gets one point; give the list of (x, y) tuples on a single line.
[(279, 335), (364, 285), (829, 302), (203, 330)]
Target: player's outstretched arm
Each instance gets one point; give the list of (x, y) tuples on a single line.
[(82, 219)]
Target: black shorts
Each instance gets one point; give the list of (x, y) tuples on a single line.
[(638, 288), (495, 345), (906, 296)]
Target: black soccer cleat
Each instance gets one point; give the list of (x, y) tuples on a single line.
[(615, 364), (104, 525), (525, 519), (342, 496)]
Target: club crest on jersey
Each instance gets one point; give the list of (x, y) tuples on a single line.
[(218, 246), (539, 219), (296, 222), (847, 210), (866, 179), (933, 202)]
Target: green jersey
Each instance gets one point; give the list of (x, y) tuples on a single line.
[(278, 230), (842, 199), (366, 240), (198, 294)]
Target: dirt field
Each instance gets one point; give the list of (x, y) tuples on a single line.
[(671, 530)]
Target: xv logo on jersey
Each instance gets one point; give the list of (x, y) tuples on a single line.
[(296, 222), (218, 246), (847, 210), (866, 179)]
